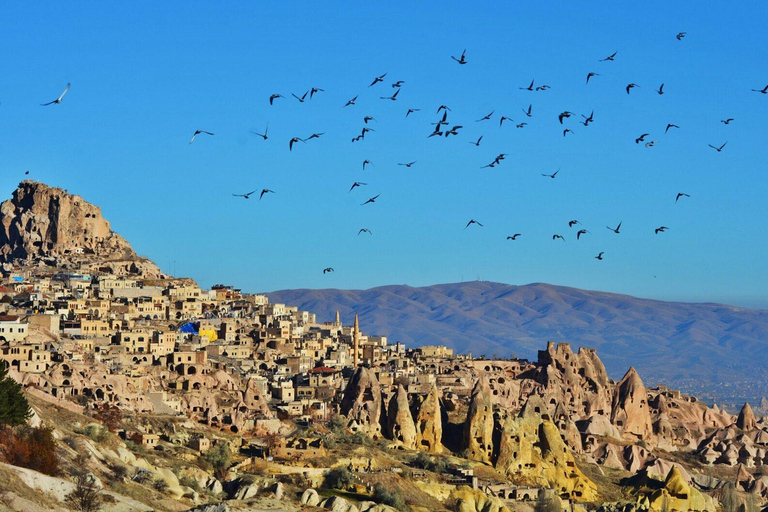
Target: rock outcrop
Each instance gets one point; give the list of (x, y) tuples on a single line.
[(746, 419), (46, 224), (630, 410), (429, 424), (678, 495), (478, 429), (399, 420), (362, 403)]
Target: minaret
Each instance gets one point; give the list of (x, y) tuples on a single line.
[(338, 318), (356, 342)]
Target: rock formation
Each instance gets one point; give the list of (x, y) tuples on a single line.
[(46, 224), (362, 403), (630, 410), (478, 429), (429, 425), (746, 419), (399, 420), (678, 495)]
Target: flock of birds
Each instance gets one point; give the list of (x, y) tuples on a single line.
[(444, 128)]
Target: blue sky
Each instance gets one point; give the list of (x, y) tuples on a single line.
[(146, 75)]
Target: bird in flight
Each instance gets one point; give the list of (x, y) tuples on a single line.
[(262, 135), (442, 107), (527, 112), (651, 143), (57, 100), (529, 88), (295, 139), (477, 142), (572, 223), (408, 164), (727, 121), (521, 125), (367, 162), (328, 269), (399, 83), (460, 60), (660, 229), (274, 97), (364, 230), (591, 74), (356, 184), (600, 256), (660, 90), (555, 237), (393, 97), (567, 131), (589, 119), (616, 229), (373, 199), (368, 118), (472, 221), (680, 35), (246, 196), (504, 118), (542, 87), (513, 237), (641, 138), (486, 117), (764, 90), (670, 126), (377, 80), (314, 90), (581, 232), (551, 175), (453, 131), (301, 100), (564, 115), (351, 102), (198, 132), (720, 148), (315, 136), (679, 195), (611, 57), (265, 191), (631, 86), (411, 111)]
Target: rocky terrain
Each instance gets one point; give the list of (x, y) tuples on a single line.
[(717, 352), (47, 225)]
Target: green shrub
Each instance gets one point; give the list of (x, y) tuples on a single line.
[(338, 478), (393, 498), (14, 408)]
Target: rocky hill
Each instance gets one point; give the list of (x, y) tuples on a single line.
[(46, 225), (716, 351)]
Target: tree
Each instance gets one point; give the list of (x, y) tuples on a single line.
[(110, 415), (730, 499), (219, 458), (338, 478), (14, 408), (86, 496), (33, 448)]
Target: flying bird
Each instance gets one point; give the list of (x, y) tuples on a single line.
[(367, 162), (295, 139), (393, 97), (720, 148), (513, 237), (408, 164), (680, 35), (486, 117), (315, 136), (198, 132), (356, 184), (616, 229), (651, 143), (442, 107), (262, 135), (727, 121), (351, 102), (377, 80), (314, 90), (265, 191), (246, 195), (527, 112), (660, 229), (399, 83), (581, 232), (364, 230), (453, 131), (542, 87), (521, 125), (368, 118), (472, 221), (301, 100), (529, 88), (660, 90), (599, 256), (641, 138), (670, 126), (57, 100), (631, 86), (572, 223), (610, 57), (590, 75), (411, 111), (461, 60), (555, 237), (681, 194), (328, 269), (373, 199), (551, 175), (589, 119), (504, 118), (477, 142), (564, 115), (567, 131), (764, 90), (274, 97)]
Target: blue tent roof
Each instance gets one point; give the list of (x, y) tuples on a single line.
[(188, 328)]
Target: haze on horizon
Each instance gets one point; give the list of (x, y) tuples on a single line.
[(145, 77)]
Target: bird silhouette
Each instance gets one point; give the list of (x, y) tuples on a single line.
[(651, 143), (581, 232), (555, 237), (670, 126), (301, 100), (351, 102), (529, 88), (367, 162), (527, 112), (411, 111), (377, 80), (764, 90), (616, 229), (198, 132), (631, 86), (246, 195), (274, 97), (472, 221), (679, 195), (567, 131), (460, 60), (564, 115), (589, 119), (364, 230), (551, 175), (368, 118), (295, 139), (59, 99), (660, 229), (486, 117), (727, 121), (262, 135), (265, 191), (600, 256), (314, 91), (373, 199), (399, 83), (315, 136), (521, 125), (720, 148), (408, 164), (660, 90), (442, 107), (356, 184), (504, 118), (453, 131), (591, 74), (680, 35), (542, 88), (393, 97), (641, 138), (611, 57), (327, 270), (514, 237), (477, 142)]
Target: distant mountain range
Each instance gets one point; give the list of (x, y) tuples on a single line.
[(696, 347)]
